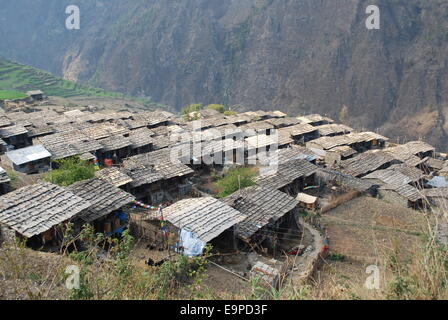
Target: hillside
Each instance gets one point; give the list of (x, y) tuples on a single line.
[(298, 56), (16, 79)]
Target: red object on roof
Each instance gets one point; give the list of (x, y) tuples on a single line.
[(108, 162)]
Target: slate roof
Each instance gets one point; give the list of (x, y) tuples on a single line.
[(286, 173), (11, 131), (205, 217), (114, 176), (313, 118), (5, 121), (344, 151), (347, 180), (365, 163), (406, 191), (154, 166), (64, 150), (102, 196), (257, 126), (34, 209), (389, 177), (34, 131), (4, 178), (261, 205), (283, 122), (262, 141), (142, 175), (298, 130), (329, 129), (436, 193), (408, 152), (115, 143), (141, 137)]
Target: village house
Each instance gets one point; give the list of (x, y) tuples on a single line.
[(156, 177), (398, 175), (269, 214), (283, 122), (359, 141), (115, 177), (214, 153), (413, 153), (289, 177), (307, 201), (142, 141), (315, 120), (114, 149), (203, 220), (33, 159), (255, 128), (34, 212), (263, 143), (367, 162), (35, 95), (105, 212), (336, 155), (325, 176), (4, 182), (334, 129), (15, 136), (402, 194), (301, 133), (436, 197), (238, 120)]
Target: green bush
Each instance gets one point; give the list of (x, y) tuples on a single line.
[(71, 170), (191, 108), (217, 107), (229, 113), (234, 180)]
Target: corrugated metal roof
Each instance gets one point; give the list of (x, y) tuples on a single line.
[(28, 154)]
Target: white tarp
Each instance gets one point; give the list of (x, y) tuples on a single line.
[(192, 246)]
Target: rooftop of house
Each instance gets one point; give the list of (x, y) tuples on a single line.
[(28, 154), (366, 162), (4, 178), (205, 217), (12, 131), (34, 209), (104, 198), (114, 176), (277, 177), (261, 206)]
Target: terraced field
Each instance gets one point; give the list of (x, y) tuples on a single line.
[(16, 79)]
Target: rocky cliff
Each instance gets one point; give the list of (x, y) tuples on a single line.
[(296, 55)]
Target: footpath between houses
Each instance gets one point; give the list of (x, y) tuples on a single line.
[(302, 267)]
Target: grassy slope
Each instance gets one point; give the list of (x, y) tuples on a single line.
[(16, 79)]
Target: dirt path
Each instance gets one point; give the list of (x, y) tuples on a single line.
[(303, 266)]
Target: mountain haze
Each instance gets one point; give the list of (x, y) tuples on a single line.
[(295, 55)]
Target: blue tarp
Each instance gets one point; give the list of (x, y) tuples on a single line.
[(438, 182), (192, 246)]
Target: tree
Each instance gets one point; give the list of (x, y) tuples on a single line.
[(71, 170), (191, 108), (218, 107), (234, 180), (229, 113)]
